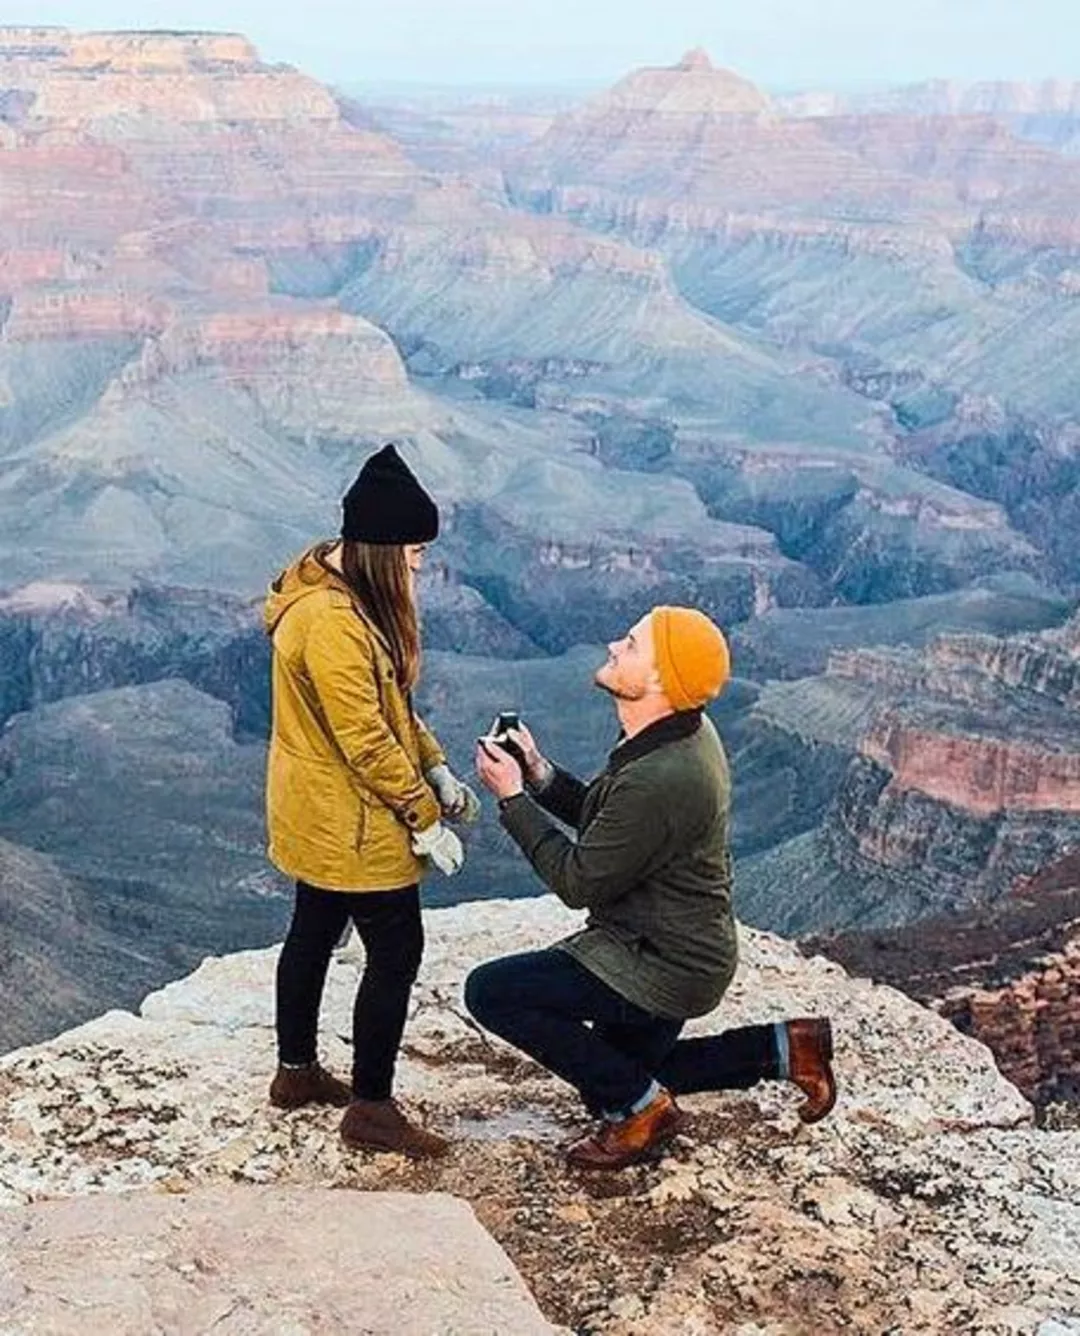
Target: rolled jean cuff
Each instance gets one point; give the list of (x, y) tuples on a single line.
[(639, 1105)]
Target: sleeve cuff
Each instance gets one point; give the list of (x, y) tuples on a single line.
[(523, 821)]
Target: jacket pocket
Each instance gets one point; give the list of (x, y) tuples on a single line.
[(361, 825)]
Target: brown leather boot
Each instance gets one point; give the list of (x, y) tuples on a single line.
[(378, 1124), (293, 1087), (810, 1049), (631, 1140)]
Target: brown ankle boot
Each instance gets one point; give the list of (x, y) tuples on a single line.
[(631, 1140), (293, 1087), (378, 1124), (810, 1049)]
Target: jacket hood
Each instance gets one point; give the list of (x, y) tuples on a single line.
[(306, 576)]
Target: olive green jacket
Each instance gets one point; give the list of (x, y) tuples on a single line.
[(345, 787), (651, 864)]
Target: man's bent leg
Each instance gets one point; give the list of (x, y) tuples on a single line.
[(733, 1060), (647, 1042), (540, 1001), (795, 1050)]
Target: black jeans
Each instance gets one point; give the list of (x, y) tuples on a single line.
[(550, 1006), (389, 925)]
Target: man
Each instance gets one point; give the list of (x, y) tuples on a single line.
[(651, 863)]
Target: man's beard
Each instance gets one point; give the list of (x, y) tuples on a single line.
[(615, 693)]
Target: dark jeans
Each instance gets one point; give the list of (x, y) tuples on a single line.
[(551, 1007), (389, 925)]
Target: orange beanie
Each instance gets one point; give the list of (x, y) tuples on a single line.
[(691, 656)]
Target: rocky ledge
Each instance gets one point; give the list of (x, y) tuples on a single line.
[(927, 1203)]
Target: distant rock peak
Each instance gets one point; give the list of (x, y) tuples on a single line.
[(697, 59), (694, 87)]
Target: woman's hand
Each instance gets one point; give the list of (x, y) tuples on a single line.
[(457, 800), (442, 846)]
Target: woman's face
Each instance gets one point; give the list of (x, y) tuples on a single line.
[(414, 556)]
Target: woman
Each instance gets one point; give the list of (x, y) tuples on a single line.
[(356, 791)]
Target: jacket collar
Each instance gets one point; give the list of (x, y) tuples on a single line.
[(671, 728)]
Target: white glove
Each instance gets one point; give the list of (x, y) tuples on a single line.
[(456, 799), (442, 846)]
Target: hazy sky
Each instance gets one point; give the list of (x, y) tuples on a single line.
[(776, 42)]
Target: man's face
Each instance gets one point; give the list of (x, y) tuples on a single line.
[(630, 671)]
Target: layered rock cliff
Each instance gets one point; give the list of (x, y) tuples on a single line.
[(76, 80), (927, 1202), (962, 775), (1046, 111)]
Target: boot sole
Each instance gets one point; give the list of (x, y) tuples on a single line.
[(290, 1106), (381, 1148), (649, 1155)]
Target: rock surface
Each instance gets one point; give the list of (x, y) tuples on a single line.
[(926, 1203), (247, 1259)]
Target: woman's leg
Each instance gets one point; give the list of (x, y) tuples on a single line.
[(391, 929), (317, 922), (389, 926)]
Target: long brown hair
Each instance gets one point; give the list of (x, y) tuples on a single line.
[(379, 576)]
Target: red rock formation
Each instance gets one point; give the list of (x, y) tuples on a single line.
[(976, 774), (959, 756), (691, 145), (271, 338), (692, 87), (148, 178), (1008, 974), (1032, 1026), (695, 155), (964, 775)]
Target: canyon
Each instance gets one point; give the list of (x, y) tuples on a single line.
[(807, 364)]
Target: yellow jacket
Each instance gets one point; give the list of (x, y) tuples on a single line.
[(345, 780)]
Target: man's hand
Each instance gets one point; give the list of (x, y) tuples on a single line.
[(498, 770), (537, 769), (442, 846)]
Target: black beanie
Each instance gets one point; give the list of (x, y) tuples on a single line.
[(387, 505)]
